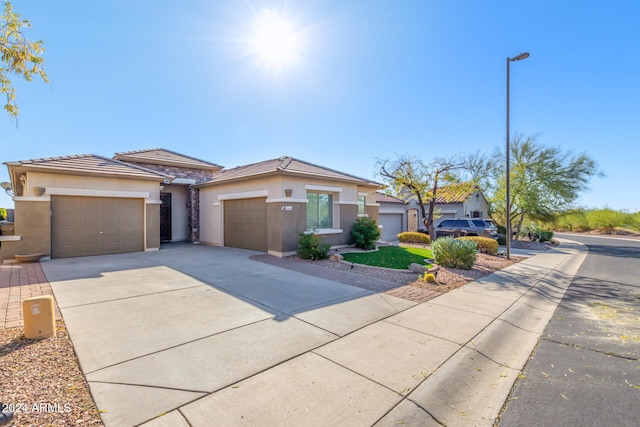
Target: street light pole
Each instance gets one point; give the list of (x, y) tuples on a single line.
[(519, 57)]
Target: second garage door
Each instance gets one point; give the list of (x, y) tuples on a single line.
[(83, 226), (391, 226), (245, 224)]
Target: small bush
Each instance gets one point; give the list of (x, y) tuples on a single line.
[(311, 247), (365, 233), (485, 244), (536, 234), (3, 214), (414, 237), (454, 253), (429, 277), (501, 229), (502, 239)]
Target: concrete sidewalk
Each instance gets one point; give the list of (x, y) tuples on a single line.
[(170, 343)]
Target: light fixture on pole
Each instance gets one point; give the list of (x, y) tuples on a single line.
[(519, 57)]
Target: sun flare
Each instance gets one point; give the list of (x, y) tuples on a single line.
[(275, 41)]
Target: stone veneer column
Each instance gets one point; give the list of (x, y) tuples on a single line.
[(194, 215)]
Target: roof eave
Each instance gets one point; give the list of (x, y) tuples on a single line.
[(124, 158), (281, 172), (13, 168)]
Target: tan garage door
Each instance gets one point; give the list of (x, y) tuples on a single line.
[(83, 226), (245, 224)]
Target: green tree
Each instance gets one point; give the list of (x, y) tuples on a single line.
[(544, 180), (481, 169), (411, 177), (607, 219), (20, 56)]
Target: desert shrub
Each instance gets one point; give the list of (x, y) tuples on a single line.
[(501, 229), (455, 253), (365, 233), (502, 239), (414, 237), (3, 214), (311, 247), (485, 244), (536, 234)]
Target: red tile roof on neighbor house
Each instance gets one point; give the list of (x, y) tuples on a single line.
[(87, 164), (453, 193), (288, 166), (456, 193), (162, 156), (385, 198)]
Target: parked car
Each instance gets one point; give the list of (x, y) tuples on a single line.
[(456, 227)]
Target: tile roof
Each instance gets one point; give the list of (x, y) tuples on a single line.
[(289, 166), (456, 193), (385, 198), (161, 156), (88, 164)]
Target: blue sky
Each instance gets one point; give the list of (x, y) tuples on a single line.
[(369, 79)]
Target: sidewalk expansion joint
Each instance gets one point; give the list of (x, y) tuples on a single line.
[(131, 297), (149, 386), (176, 346)]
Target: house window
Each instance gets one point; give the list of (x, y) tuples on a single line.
[(361, 205), (319, 211)]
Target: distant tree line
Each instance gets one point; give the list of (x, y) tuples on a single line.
[(586, 220)]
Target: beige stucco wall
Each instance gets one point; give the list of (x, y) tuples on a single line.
[(33, 225), (476, 204), (51, 180), (284, 224), (152, 226)]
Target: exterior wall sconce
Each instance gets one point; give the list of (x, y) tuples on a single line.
[(288, 192)]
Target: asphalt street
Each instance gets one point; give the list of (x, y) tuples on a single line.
[(585, 370)]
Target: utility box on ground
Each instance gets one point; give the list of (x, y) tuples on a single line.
[(39, 317)]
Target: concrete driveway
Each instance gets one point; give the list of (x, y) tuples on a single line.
[(155, 331)]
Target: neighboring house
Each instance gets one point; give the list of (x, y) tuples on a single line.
[(90, 205), (263, 206), (452, 201), (460, 201), (394, 217)]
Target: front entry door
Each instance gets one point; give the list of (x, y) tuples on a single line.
[(165, 217), (412, 219)]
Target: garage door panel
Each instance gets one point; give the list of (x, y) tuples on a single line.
[(392, 224), (245, 224), (83, 226)]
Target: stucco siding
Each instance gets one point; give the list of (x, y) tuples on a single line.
[(152, 226), (33, 225), (45, 180)]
